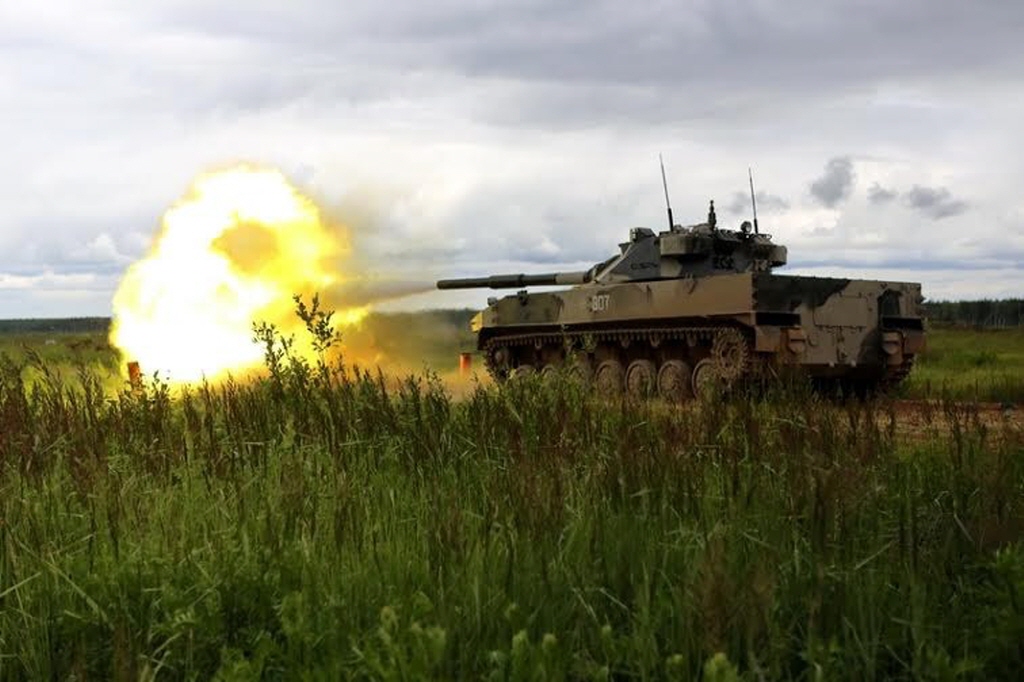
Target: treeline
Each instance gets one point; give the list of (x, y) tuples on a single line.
[(982, 313), (69, 325), (985, 313), (455, 318)]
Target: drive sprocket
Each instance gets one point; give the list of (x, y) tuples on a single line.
[(731, 354)]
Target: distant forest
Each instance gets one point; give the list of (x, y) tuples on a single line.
[(983, 313), (986, 313), (68, 325), (90, 325)]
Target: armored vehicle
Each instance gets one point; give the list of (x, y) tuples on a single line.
[(676, 312)]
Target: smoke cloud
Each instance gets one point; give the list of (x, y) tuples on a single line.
[(362, 292)]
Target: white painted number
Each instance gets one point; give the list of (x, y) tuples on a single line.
[(599, 303)]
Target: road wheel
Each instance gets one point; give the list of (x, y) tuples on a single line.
[(641, 378), (581, 370), (609, 379), (675, 381), (522, 371), (706, 378), (549, 372)]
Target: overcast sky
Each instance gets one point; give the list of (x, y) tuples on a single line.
[(464, 137)]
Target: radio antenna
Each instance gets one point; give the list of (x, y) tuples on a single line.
[(664, 184), (753, 200)]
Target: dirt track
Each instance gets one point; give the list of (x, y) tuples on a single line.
[(921, 418)]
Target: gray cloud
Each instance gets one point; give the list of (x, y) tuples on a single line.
[(651, 42), (766, 203), (525, 130), (251, 56), (934, 202), (881, 195), (837, 182)]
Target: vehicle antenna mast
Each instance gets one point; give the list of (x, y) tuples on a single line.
[(753, 201), (664, 184)]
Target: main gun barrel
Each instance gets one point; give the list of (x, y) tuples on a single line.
[(515, 281)]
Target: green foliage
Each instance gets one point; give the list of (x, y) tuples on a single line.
[(63, 354), (719, 669), (970, 364), (330, 523), (318, 324)]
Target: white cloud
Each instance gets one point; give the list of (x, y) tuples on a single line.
[(102, 248), (47, 281)]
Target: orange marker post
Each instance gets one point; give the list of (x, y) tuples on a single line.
[(465, 363), (134, 375)]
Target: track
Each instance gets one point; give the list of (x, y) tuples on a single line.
[(672, 362)]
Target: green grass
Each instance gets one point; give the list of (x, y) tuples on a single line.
[(408, 341), (971, 364), (327, 523), (64, 354), (61, 350), (959, 363)]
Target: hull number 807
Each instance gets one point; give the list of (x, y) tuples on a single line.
[(598, 303)]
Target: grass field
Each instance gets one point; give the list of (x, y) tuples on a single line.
[(959, 363), (325, 523), (971, 364)]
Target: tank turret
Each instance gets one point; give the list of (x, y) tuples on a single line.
[(701, 250)]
